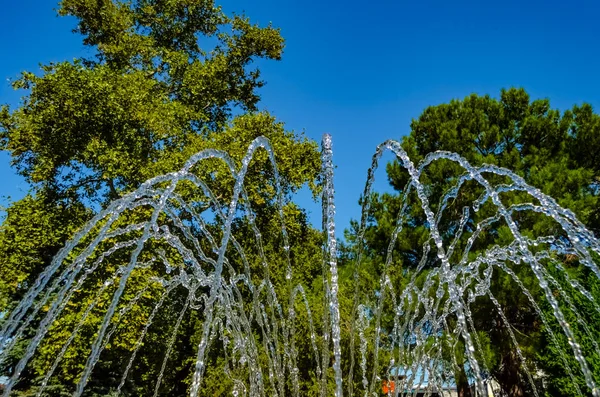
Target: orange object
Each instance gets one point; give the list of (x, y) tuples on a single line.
[(388, 386)]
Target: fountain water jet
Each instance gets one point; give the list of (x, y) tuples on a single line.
[(427, 317)]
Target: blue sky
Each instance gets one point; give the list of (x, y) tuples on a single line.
[(362, 70)]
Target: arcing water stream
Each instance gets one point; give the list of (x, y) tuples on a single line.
[(416, 331)]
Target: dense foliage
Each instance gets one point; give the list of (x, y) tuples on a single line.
[(165, 82), (557, 153)]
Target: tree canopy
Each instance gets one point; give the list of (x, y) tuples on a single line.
[(167, 79), (95, 127), (554, 152)]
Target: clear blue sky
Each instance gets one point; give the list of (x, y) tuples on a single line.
[(362, 70)]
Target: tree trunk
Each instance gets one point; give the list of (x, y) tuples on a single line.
[(509, 378), (462, 383)]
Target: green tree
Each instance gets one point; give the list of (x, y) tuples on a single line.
[(554, 152), (165, 82)]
